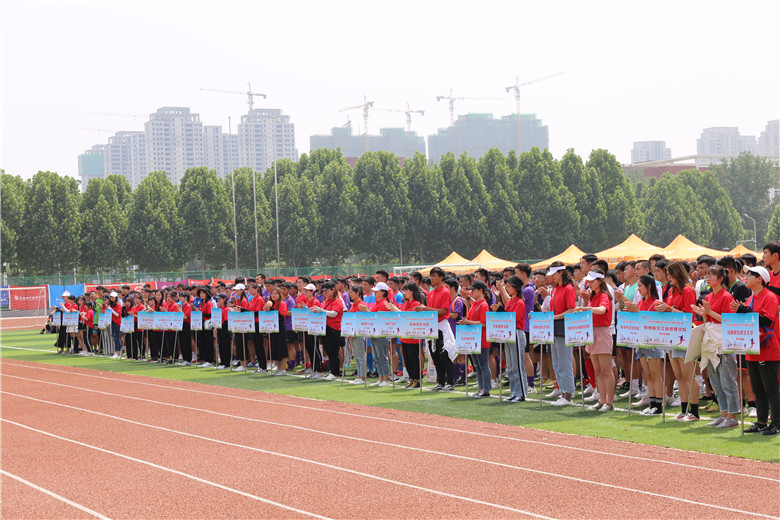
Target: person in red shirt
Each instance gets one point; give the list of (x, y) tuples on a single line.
[(254, 306), (771, 261), (379, 346), (511, 296), (357, 345), (679, 298), (478, 309), (438, 301), (138, 336), (411, 347), (185, 336), (206, 337), (83, 327), (333, 306), (239, 302), (277, 343), (562, 301), (306, 300), (763, 367), (600, 304), (116, 320)]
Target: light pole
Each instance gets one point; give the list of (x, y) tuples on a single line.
[(254, 190), (755, 241), (233, 183), (276, 192)]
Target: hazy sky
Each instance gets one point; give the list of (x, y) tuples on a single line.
[(633, 70)]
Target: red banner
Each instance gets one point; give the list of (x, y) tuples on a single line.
[(27, 298)]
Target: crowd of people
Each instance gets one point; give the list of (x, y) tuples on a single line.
[(704, 290)]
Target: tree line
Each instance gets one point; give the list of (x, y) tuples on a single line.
[(531, 206)]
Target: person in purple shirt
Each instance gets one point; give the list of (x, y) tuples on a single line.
[(457, 311), (523, 271), (293, 347), (341, 288)]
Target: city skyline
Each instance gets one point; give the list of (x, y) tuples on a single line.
[(607, 97)]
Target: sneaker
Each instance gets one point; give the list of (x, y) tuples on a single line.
[(752, 412), (384, 383), (770, 430), (516, 399), (493, 385), (184, 363), (207, 365), (597, 406), (221, 367), (650, 410), (478, 394), (330, 377), (555, 393), (716, 422), (234, 362), (358, 381), (414, 384), (756, 428), (460, 383), (712, 407), (317, 375), (689, 417), (261, 371), (280, 373), (239, 368), (728, 422), (115, 356), (607, 408), (670, 401), (438, 387), (375, 383), (626, 394), (448, 388), (562, 401), (307, 372), (589, 390), (680, 416), (471, 375), (676, 402), (593, 398), (532, 390), (402, 379), (251, 365)]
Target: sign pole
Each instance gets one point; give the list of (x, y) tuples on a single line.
[(582, 379), (500, 373), (663, 394), (741, 390), (631, 379)]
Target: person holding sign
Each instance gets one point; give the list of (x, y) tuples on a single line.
[(511, 295), (722, 368), (411, 347), (679, 298), (116, 321), (240, 303), (223, 334), (562, 301), (278, 340), (763, 367), (600, 305), (379, 346), (306, 300), (206, 337), (438, 301), (357, 345), (477, 315), (185, 336), (333, 306), (255, 305)]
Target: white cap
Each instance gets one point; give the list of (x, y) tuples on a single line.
[(594, 276), (554, 270), (760, 271), (310, 287), (239, 287), (113, 293), (65, 294), (381, 286)]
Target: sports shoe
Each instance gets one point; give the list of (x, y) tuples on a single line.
[(207, 365), (756, 428), (402, 379), (239, 368), (716, 422), (261, 371), (752, 412), (317, 375), (689, 417), (330, 377), (712, 407), (184, 363), (670, 400), (280, 373), (728, 422), (645, 401), (438, 387), (375, 383), (516, 399), (471, 375), (589, 390), (384, 383), (770, 430), (493, 385), (555, 393), (415, 384), (596, 406), (650, 410), (234, 362), (562, 401), (680, 416), (626, 394), (251, 365), (593, 398), (358, 381), (607, 408), (448, 388), (532, 390), (221, 367), (675, 403), (115, 356)]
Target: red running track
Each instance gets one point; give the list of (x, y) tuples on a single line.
[(132, 447)]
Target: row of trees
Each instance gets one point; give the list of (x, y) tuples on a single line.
[(531, 206)]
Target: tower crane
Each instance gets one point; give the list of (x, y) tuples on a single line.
[(516, 87), (249, 94), (452, 100), (364, 107), (408, 113)]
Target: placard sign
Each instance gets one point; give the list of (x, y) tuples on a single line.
[(388, 324), (56, 318), (176, 321), (419, 325), (740, 333), (216, 317), (128, 324), (628, 326), (317, 322), (578, 328), (348, 324), (300, 319), (268, 321), (145, 320), (540, 328), (500, 327), (104, 320), (196, 320), (241, 322), (468, 339), (366, 324), (669, 330), (70, 319)]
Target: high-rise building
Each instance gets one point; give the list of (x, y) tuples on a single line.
[(769, 140), (92, 164), (723, 142), (174, 141), (265, 135), (644, 151), (125, 154), (220, 150), (395, 140), (475, 134)]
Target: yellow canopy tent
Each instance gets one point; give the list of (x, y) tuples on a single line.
[(570, 256), (682, 248), (632, 248), (490, 262), (454, 263), (742, 250)]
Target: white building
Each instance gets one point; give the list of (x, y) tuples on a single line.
[(125, 154), (723, 141), (265, 135), (769, 140), (644, 151), (174, 142), (220, 150)]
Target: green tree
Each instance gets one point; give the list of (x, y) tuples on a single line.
[(123, 190), (337, 211), (623, 212), (773, 232), (471, 204), (298, 220), (154, 227), (503, 219), (103, 228), (747, 180), (51, 240), (204, 207), (13, 199), (584, 184), (245, 213), (671, 207), (720, 211)]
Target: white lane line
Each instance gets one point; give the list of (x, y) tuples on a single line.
[(283, 455), (171, 470), (422, 450), (55, 495), (51, 350), (418, 424)]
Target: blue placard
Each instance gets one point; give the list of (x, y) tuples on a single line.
[(268, 321), (628, 326), (216, 317), (740, 333), (241, 322), (500, 327), (540, 328), (669, 330), (300, 319), (468, 339), (419, 325), (104, 319), (70, 319), (348, 324), (56, 318), (388, 324), (5, 296), (366, 324), (578, 328), (128, 324), (317, 322), (196, 320)]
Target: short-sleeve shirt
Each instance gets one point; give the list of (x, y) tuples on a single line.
[(681, 301), (439, 298), (517, 305), (563, 298), (406, 307), (720, 303), (602, 299), (765, 303), (478, 312)]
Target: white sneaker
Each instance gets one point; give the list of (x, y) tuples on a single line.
[(592, 398), (358, 381), (752, 412), (555, 393), (626, 394), (676, 402), (234, 362), (209, 365), (317, 375), (493, 385), (222, 367), (596, 406), (645, 401), (280, 373), (375, 383), (532, 390), (562, 401), (115, 356), (589, 390), (239, 368), (184, 363), (384, 383), (402, 379), (670, 401), (330, 377)]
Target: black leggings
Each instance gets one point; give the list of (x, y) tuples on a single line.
[(223, 339), (312, 348), (332, 347), (242, 346), (763, 380), (445, 371), (412, 359), (155, 343), (262, 361), (206, 346), (185, 342)]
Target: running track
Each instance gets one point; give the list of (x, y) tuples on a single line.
[(80, 443)]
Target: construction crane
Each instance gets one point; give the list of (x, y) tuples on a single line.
[(249, 94), (364, 107), (452, 100), (516, 87), (408, 113), (111, 114)]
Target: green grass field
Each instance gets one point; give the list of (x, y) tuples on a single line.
[(615, 425)]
